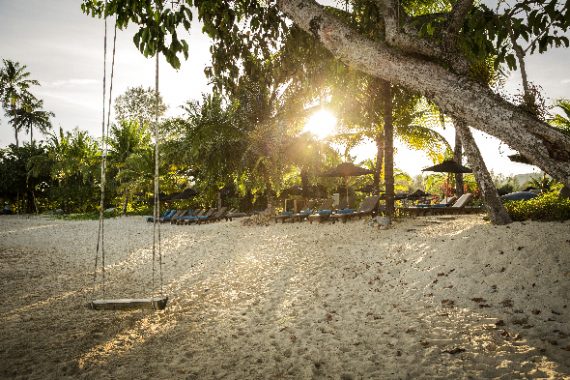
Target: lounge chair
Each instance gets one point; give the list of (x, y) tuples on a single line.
[(177, 216), (301, 215), (169, 218), (283, 216), (235, 213), (150, 219), (215, 216), (200, 218), (445, 202), (190, 216), (324, 212), (459, 207), (288, 212), (367, 207), (166, 217)]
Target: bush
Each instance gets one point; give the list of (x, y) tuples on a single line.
[(545, 207)]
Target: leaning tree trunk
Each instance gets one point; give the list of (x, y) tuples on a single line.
[(388, 149), (458, 157), (455, 94), (379, 160), (269, 193), (126, 202), (497, 211), (305, 183)]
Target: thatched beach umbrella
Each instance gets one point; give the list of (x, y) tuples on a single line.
[(448, 166), (186, 194), (292, 190), (418, 194), (347, 169)]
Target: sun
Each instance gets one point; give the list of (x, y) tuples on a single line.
[(321, 124)]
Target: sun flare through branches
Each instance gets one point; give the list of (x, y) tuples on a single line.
[(321, 124)]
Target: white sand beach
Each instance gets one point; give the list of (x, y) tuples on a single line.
[(447, 298)]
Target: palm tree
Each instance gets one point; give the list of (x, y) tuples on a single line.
[(14, 86), (75, 156), (29, 115), (125, 140)]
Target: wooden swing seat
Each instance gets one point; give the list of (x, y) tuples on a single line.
[(155, 303)]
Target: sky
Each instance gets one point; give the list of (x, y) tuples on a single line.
[(63, 49)]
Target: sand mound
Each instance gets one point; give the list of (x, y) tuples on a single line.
[(428, 298)]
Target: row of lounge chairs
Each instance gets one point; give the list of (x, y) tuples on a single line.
[(325, 212), (189, 216), (369, 206), (447, 206)]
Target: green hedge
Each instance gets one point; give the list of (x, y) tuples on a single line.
[(545, 207)]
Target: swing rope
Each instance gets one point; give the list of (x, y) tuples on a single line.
[(101, 230), (104, 139), (156, 244), (156, 237)]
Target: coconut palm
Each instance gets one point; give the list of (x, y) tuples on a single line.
[(14, 88), (125, 140), (29, 115), (75, 156)]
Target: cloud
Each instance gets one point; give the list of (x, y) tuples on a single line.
[(78, 100), (71, 83)]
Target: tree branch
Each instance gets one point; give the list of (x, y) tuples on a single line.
[(468, 100), (404, 40), (397, 38), (497, 211), (457, 17)]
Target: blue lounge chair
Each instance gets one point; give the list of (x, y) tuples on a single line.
[(165, 214), (324, 212), (367, 207)]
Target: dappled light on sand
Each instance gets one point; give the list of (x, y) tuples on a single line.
[(125, 340), (428, 298)]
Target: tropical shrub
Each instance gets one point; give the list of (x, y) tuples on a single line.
[(545, 207)]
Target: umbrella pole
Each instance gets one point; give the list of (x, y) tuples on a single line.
[(346, 183)]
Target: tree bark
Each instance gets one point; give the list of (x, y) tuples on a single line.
[(305, 183), (388, 149), (16, 136), (529, 97), (455, 94), (497, 211), (126, 203), (456, 19), (379, 160), (458, 157), (522, 67)]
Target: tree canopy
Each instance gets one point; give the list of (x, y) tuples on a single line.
[(431, 47)]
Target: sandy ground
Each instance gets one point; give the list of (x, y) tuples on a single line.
[(429, 298)]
